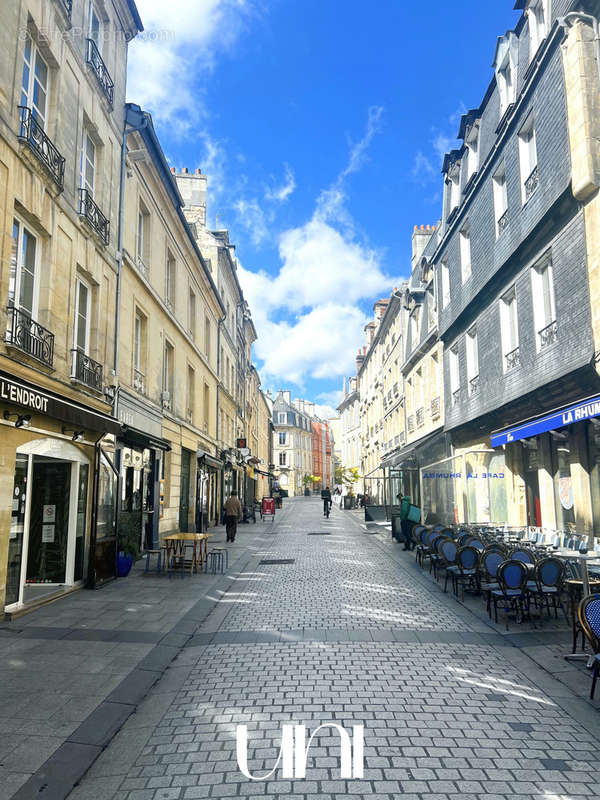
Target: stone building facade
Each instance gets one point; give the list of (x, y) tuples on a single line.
[(292, 445)]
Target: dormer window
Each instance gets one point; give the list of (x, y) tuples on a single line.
[(537, 15), (472, 145), (454, 182), (505, 67)]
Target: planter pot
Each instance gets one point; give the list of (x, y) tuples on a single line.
[(307, 493), (348, 502), (124, 564)]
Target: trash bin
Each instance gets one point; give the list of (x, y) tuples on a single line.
[(348, 502), (397, 528)]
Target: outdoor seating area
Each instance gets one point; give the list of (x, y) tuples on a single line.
[(524, 573), (187, 552)]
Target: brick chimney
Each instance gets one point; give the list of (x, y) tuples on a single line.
[(192, 187), (420, 237), (359, 360)]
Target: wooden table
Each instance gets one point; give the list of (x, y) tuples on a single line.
[(176, 542)]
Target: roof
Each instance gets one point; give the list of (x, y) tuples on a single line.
[(135, 14)]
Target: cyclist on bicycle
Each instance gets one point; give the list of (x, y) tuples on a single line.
[(326, 497)]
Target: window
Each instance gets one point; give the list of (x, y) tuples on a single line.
[(282, 438), (544, 311), (281, 417), (82, 317), (505, 69), (472, 361), (95, 27), (206, 406), (191, 386), (137, 342), (143, 236), (431, 305), (454, 182), (464, 238), (415, 319), (23, 278), (510, 331), (170, 270), (528, 160), (500, 199), (139, 351), (87, 164), (282, 459), (34, 82), (207, 347), (192, 314), (472, 143), (445, 283), (454, 375), (537, 15), (167, 376)]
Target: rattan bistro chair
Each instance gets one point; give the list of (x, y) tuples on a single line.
[(548, 583), (448, 552), (465, 569), (512, 591), (589, 620), (488, 580)]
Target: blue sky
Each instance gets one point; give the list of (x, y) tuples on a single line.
[(321, 125)]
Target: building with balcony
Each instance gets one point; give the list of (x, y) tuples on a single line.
[(292, 445), (61, 120), (350, 428)]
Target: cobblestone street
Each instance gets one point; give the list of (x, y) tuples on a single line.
[(351, 632)]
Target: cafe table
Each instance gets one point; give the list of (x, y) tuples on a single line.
[(175, 544), (583, 559)]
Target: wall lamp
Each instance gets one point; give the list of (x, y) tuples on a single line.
[(21, 420), (77, 435)]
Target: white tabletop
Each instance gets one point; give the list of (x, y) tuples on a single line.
[(575, 554)]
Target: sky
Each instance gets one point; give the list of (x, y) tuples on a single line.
[(321, 126)]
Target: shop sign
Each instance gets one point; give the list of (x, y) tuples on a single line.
[(21, 396), (585, 409), (468, 476)]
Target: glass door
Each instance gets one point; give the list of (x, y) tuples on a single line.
[(49, 522), (17, 531)]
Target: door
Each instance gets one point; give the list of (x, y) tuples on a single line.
[(49, 521), (184, 492), (17, 530)]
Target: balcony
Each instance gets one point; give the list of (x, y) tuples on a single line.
[(455, 397), (94, 59), (512, 360), (420, 417), (410, 424), (139, 381), (474, 384), (396, 390), (28, 336), (503, 223), (435, 408), (31, 132), (93, 216), (531, 183), (67, 7), (548, 335), (85, 370)]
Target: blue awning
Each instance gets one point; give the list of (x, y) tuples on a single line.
[(584, 409)]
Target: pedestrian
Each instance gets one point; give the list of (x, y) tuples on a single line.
[(233, 511), (405, 523)]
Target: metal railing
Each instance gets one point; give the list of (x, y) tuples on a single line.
[(503, 222), (92, 214), (435, 407), (68, 6), (420, 417), (139, 381), (29, 336), (456, 397), (549, 334), (512, 359), (94, 59), (532, 183), (474, 384), (85, 370), (31, 131)]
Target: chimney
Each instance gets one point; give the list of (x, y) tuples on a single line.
[(420, 237), (360, 359), (287, 397), (192, 188)]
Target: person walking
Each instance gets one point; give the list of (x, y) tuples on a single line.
[(405, 523), (233, 511), (326, 497)]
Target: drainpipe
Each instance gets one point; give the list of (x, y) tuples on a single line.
[(135, 120)]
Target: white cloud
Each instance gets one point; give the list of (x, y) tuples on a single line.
[(281, 193), (251, 216), (327, 272)]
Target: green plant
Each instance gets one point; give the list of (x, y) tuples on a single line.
[(129, 531), (349, 477)]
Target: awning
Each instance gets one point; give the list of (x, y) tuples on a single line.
[(578, 412), (48, 404), (136, 438), (407, 453), (209, 461)]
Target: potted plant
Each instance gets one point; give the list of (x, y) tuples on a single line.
[(349, 478), (130, 523), (306, 482)]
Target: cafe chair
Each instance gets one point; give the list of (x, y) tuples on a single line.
[(589, 620), (490, 561), (512, 590), (548, 583), (465, 569)]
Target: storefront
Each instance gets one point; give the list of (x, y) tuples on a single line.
[(208, 501), (57, 492), (557, 456)]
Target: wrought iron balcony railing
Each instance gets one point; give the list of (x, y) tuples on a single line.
[(456, 397), (474, 384), (31, 131), (503, 222), (29, 336), (420, 417), (85, 370), (435, 407), (68, 6), (549, 334), (512, 360), (94, 59), (92, 214), (531, 183), (139, 381)]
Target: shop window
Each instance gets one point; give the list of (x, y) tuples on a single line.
[(563, 487), (593, 429)]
